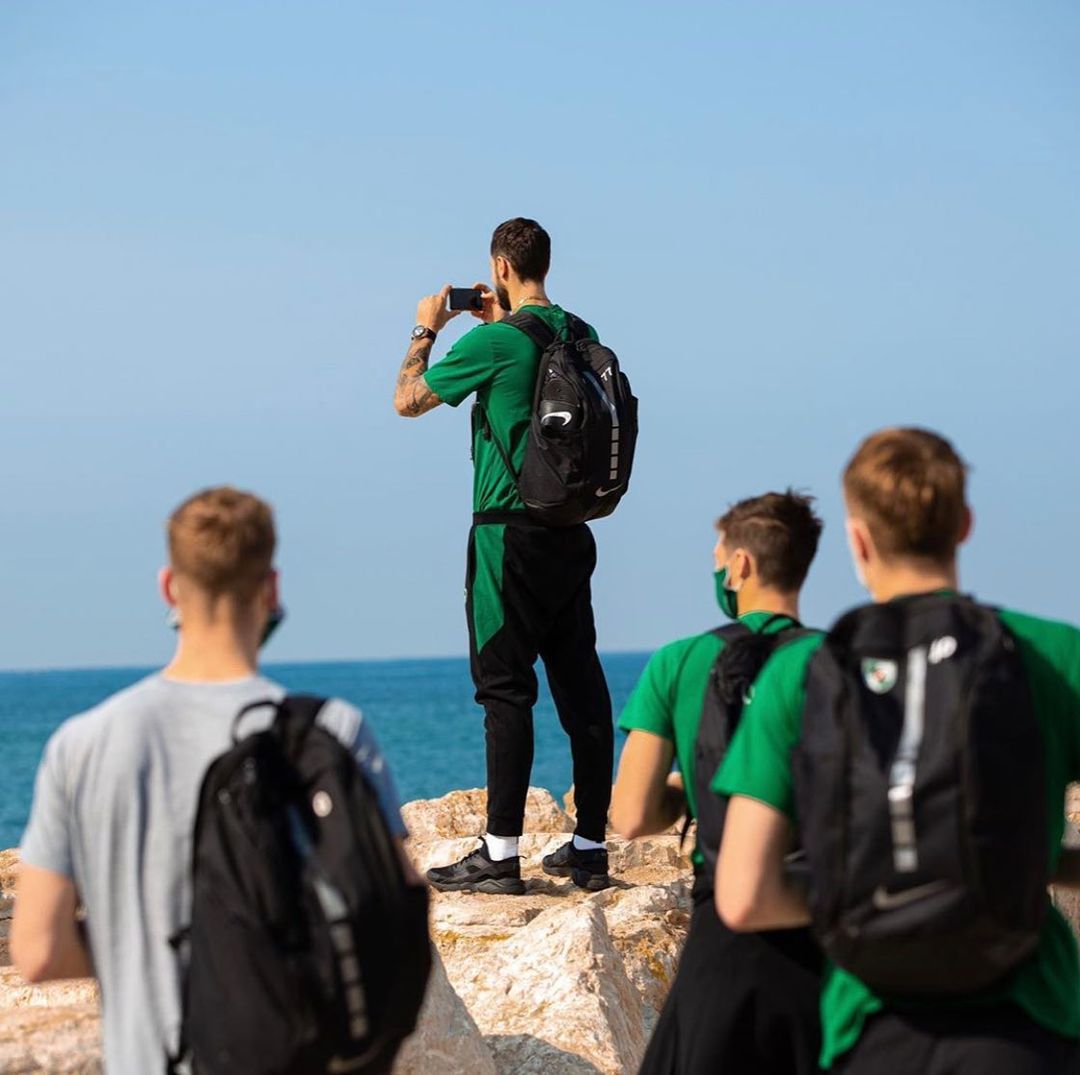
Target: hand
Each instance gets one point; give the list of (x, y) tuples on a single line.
[(431, 311), (490, 310), (675, 781)]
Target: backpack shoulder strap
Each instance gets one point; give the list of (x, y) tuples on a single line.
[(576, 328), (294, 716), (504, 455), (536, 328), (731, 631)]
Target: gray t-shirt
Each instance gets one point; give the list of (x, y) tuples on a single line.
[(114, 807)]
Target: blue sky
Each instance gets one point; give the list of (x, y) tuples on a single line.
[(795, 222)]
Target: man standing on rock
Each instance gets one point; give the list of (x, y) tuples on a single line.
[(115, 799), (528, 585), (740, 1004), (919, 753)]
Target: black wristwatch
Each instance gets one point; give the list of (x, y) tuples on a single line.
[(422, 332)]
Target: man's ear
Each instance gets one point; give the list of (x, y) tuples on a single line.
[(501, 268), (167, 586), (273, 590), (966, 526), (860, 542), (742, 565)]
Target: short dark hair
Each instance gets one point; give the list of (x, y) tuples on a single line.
[(781, 532), (525, 245), (911, 486)]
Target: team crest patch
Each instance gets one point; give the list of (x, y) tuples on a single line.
[(879, 676)]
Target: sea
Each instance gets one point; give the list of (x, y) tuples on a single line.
[(423, 713)]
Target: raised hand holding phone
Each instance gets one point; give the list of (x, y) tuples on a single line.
[(489, 309), (432, 311)]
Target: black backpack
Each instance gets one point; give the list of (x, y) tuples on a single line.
[(920, 790), (733, 673), (307, 952), (581, 439)]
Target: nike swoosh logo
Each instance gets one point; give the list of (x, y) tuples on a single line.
[(566, 416), (607, 492), (884, 900)]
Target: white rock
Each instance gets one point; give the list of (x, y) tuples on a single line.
[(554, 998), (446, 1039), (52, 1027), (61, 1041), (648, 926), (464, 813), (15, 993)]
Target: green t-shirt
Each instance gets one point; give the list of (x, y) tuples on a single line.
[(670, 695), (499, 363), (758, 765)]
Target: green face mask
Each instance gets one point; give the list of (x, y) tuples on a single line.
[(727, 599)]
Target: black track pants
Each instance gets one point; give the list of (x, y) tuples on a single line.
[(741, 1003), (528, 595), (991, 1041)]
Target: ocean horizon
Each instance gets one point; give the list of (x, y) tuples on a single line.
[(422, 710)]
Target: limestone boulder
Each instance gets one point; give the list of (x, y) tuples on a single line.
[(9, 866), (7, 909), (61, 1041), (15, 993), (464, 813), (447, 1039), (554, 998), (52, 1027), (9, 869), (648, 925)]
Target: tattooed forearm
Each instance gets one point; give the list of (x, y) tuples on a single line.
[(412, 397)]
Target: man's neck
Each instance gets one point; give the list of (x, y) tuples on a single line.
[(212, 655), (527, 293), (779, 604), (905, 581)]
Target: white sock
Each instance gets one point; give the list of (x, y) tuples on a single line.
[(581, 844), (501, 848)]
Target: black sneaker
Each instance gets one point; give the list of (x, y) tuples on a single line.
[(476, 872), (587, 869)]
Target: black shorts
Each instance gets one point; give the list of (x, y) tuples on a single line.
[(990, 1041), (741, 1003)]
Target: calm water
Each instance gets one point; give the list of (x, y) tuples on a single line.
[(423, 713)]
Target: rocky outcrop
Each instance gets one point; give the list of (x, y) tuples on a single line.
[(555, 999), (558, 980), (555, 982), (9, 867), (447, 1039), (50, 1028), (464, 813)]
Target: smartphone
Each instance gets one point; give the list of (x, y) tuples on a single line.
[(466, 298)]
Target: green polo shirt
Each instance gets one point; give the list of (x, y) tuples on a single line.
[(670, 694), (758, 765), (499, 363)]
